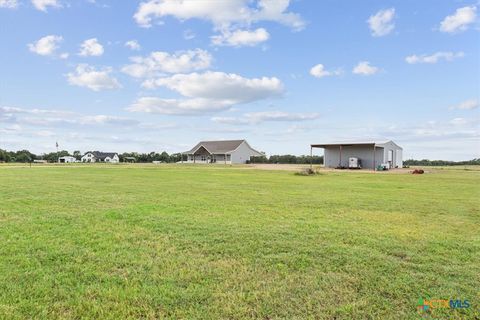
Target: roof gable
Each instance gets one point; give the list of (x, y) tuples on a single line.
[(220, 146)]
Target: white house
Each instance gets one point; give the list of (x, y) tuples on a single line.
[(223, 151), (67, 159), (370, 154), (97, 156)]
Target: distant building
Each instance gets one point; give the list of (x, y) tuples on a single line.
[(223, 151), (97, 156), (368, 155), (67, 159)]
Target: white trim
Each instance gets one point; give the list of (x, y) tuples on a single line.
[(199, 148)]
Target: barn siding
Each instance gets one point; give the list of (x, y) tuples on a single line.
[(364, 153)]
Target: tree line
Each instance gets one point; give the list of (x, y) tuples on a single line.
[(426, 162), (27, 156)]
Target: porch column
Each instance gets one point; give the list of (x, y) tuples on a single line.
[(340, 159), (194, 158), (225, 158), (311, 157), (374, 166)]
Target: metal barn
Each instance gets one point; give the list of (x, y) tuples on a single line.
[(366, 155)]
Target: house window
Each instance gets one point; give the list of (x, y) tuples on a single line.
[(204, 158), (228, 157)]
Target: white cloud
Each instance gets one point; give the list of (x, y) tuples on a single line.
[(381, 23), (110, 120), (176, 106), (221, 86), (42, 5), (460, 20), (467, 105), (264, 116), (91, 47), (10, 4), (222, 14), (89, 77), (364, 68), (46, 46), (257, 117), (318, 71), (433, 58), (230, 120), (159, 62), (207, 92), (188, 34), (239, 38), (133, 45), (458, 121)]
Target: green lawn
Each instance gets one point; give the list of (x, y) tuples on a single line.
[(199, 242)]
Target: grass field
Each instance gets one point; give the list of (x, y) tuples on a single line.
[(200, 242)]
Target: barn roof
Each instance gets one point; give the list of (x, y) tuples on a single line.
[(352, 143)]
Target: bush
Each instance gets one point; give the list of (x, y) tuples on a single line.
[(306, 172)]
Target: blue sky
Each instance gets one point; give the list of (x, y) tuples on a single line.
[(164, 74)]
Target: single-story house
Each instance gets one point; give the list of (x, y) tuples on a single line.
[(222, 151), (370, 154), (67, 159), (97, 156)]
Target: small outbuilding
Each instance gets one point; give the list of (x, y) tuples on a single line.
[(222, 151), (367, 155), (67, 159)]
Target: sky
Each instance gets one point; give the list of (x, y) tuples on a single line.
[(161, 75)]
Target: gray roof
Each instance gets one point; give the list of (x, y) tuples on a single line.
[(102, 155), (219, 147), (353, 143)]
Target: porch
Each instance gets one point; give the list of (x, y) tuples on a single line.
[(202, 155)]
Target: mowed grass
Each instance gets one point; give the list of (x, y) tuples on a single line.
[(201, 242)]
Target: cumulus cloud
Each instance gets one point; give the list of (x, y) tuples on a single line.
[(96, 80), (91, 47), (207, 92), (43, 5), (222, 86), (133, 45), (239, 38), (46, 46), (467, 105), (434, 58), (222, 14), (382, 23), (9, 4), (176, 106), (159, 62), (364, 68), (460, 20), (318, 71)]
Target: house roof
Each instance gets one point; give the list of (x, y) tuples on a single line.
[(352, 143), (219, 146), (102, 155)]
